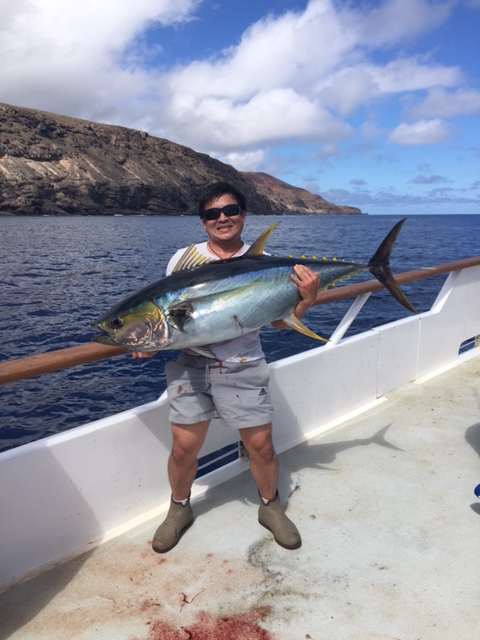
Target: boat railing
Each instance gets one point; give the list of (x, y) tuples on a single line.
[(88, 484), (31, 366)]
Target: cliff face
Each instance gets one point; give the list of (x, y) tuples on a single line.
[(57, 165), (294, 201)]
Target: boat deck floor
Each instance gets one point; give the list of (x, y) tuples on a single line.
[(391, 539)]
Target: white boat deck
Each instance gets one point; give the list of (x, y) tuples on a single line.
[(391, 534)]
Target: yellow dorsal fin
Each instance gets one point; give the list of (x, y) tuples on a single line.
[(294, 323), (257, 247), (190, 260)]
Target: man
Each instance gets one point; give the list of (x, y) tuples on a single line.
[(234, 386)]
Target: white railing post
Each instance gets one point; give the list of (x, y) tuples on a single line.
[(344, 324)]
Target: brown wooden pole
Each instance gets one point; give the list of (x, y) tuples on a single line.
[(369, 286), (32, 366), (55, 361)]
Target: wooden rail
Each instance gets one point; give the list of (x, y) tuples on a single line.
[(32, 366), (352, 290)]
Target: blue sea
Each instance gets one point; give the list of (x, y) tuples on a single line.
[(60, 274)]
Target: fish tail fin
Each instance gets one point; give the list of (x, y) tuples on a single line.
[(380, 268)]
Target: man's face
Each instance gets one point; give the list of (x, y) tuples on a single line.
[(226, 228)]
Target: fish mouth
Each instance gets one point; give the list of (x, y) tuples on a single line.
[(107, 333), (107, 340), (135, 336)]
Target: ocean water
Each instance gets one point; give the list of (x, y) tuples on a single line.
[(60, 274)]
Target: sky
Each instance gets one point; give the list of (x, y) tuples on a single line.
[(373, 104)]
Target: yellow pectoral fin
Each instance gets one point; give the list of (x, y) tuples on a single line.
[(294, 323)]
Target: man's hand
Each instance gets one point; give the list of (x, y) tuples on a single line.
[(308, 283), (149, 354)]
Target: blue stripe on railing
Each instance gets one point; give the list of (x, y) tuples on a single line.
[(471, 343), (218, 458)]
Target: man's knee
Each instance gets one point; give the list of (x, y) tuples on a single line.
[(258, 443), (265, 451), (182, 454), (187, 441)]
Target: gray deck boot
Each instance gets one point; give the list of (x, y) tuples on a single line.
[(272, 517), (178, 519)]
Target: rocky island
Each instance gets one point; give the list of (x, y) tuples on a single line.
[(57, 165)]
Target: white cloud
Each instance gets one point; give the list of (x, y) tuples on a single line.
[(267, 117), (350, 87), (326, 151), (296, 76), (443, 104), (433, 179), (247, 161), (421, 132), (391, 199), (395, 20), (67, 57), (409, 75)]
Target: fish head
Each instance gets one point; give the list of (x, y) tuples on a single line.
[(141, 328)]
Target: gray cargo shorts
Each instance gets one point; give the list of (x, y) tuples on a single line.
[(201, 388)]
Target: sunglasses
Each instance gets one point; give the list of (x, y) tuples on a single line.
[(228, 210)]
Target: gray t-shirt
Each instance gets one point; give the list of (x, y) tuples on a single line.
[(246, 347)]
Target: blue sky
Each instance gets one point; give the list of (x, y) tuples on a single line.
[(374, 104)]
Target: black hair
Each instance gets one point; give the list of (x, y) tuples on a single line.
[(217, 190)]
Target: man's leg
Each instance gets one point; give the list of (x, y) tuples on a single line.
[(182, 464), (182, 467), (263, 461), (264, 470)]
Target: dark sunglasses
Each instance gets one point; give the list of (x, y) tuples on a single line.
[(228, 210)]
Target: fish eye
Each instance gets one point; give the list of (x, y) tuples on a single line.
[(116, 323)]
